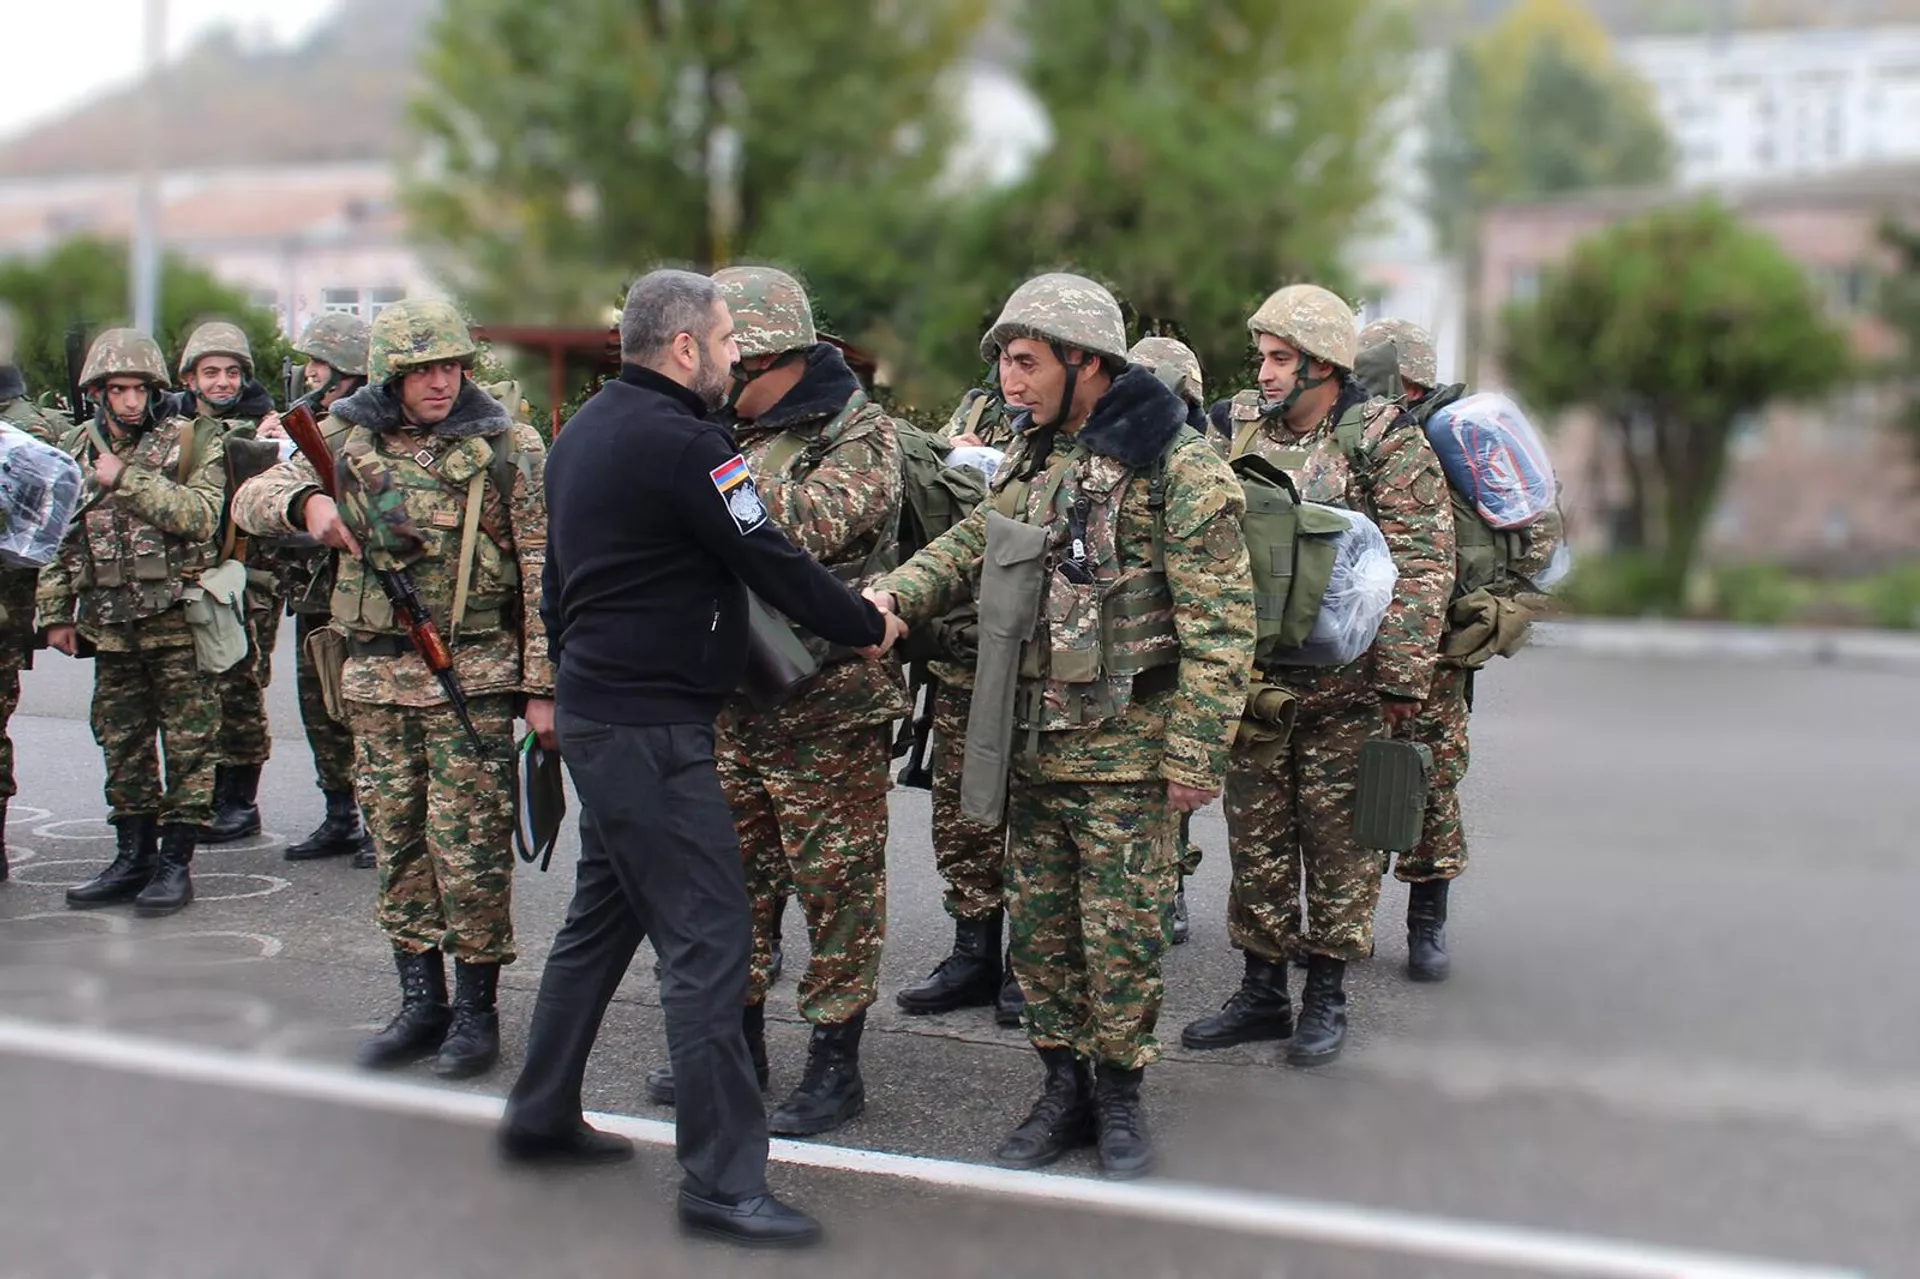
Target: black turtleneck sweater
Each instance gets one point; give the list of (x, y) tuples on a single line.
[(652, 546)]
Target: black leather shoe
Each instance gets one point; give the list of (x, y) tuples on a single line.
[(171, 887), (337, 836), (1427, 931), (131, 869), (759, 1222), (583, 1145), (967, 978), (1259, 1010)]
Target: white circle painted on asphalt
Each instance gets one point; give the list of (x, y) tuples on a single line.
[(17, 855), (115, 925), (151, 949), (273, 883), (61, 881), (101, 829), (27, 814)]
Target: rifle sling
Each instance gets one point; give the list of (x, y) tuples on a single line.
[(469, 535)]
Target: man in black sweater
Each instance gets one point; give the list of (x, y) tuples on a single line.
[(655, 537)]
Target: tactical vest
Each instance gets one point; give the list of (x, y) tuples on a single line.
[(1102, 627), (434, 475), (129, 570)]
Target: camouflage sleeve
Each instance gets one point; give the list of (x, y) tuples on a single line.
[(263, 506), (957, 422), (527, 507), (848, 497), (190, 511), (1414, 511), (941, 576), (1212, 587), (54, 595)]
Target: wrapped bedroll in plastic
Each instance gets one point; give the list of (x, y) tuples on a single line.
[(1359, 591), (980, 457), (1494, 457), (39, 489)]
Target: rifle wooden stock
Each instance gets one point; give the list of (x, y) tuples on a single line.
[(300, 427)]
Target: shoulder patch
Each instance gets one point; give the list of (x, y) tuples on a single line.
[(734, 483)]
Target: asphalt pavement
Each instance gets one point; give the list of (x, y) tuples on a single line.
[(1680, 1019)]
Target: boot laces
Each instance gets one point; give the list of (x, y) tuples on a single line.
[(1118, 1114), (1059, 1099)]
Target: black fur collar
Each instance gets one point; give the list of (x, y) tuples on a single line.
[(822, 391), (13, 386), (254, 403), (1135, 421), (474, 413)]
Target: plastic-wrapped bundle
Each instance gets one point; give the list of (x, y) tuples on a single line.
[(1558, 566), (981, 458), (1359, 591), (1494, 457), (39, 488)]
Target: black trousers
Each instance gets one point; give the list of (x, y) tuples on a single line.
[(659, 859)]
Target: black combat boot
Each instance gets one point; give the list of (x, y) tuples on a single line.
[(1125, 1150), (237, 815), (1259, 1010), (968, 978), (421, 1023), (1060, 1121), (753, 1020), (171, 887), (472, 1045), (831, 1092), (1180, 925), (363, 856), (137, 851), (341, 833), (1427, 931), (1323, 1014), (1011, 1002)]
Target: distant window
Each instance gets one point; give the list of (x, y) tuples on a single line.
[(379, 300), (340, 301)]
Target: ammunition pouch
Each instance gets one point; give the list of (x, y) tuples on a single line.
[(216, 616), (326, 649), (1482, 626), (1266, 724)]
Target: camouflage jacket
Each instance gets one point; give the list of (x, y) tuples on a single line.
[(135, 548), (404, 496), (1398, 483), (17, 585), (838, 501), (1182, 733)]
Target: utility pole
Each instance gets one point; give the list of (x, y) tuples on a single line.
[(144, 275)]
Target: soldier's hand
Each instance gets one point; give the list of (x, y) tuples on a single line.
[(270, 428), (967, 439), (64, 638), (107, 470), (1187, 799), (325, 526), (540, 720), (1399, 711), (879, 599), (896, 631)]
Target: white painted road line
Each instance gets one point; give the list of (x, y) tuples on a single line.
[(1179, 1203)]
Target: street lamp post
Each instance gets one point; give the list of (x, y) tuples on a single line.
[(145, 272)]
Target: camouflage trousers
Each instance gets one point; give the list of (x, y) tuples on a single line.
[(442, 824), (244, 738), (329, 739), (1442, 725), (1290, 833), (971, 858), (1091, 876), (12, 658), (815, 808), (146, 702)]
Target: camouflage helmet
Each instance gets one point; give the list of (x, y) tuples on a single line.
[(1174, 363), (9, 337), (216, 337), (124, 353), (414, 332), (1312, 319), (337, 340), (1068, 309), (1412, 343), (771, 314)]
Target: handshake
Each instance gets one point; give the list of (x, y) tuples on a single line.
[(896, 629)]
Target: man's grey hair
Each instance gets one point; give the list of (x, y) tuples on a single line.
[(661, 306)]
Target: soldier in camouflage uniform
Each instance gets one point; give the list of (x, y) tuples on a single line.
[(1174, 363), (971, 858), (416, 449), (16, 585), (1290, 824), (807, 781), (216, 368), (120, 587), (335, 347), (1116, 730)]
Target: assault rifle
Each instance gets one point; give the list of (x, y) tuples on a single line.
[(76, 363), (913, 736), (408, 611)]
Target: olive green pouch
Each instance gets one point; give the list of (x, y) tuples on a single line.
[(1390, 802)]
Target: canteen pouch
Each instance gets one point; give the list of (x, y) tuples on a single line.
[(1390, 802), (327, 650), (217, 618), (778, 662)]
